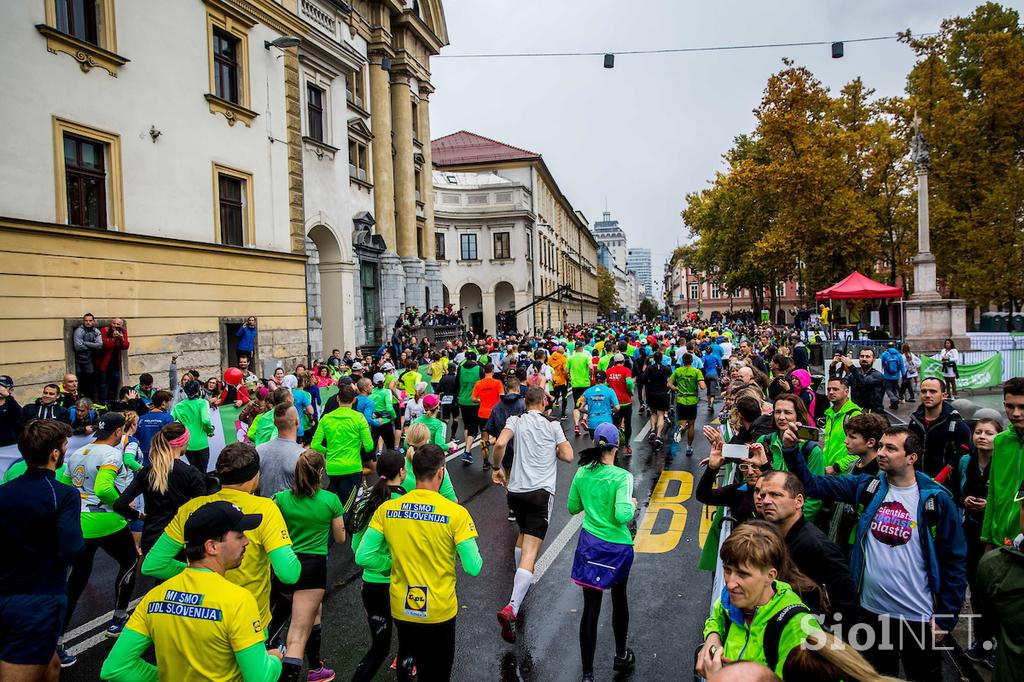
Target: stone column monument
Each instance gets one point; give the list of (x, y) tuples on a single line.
[(930, 318)]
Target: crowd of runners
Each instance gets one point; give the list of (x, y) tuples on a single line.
[(854, 546)]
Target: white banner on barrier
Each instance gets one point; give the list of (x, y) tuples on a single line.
[(9, 453)]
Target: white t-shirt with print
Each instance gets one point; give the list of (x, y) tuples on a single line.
[(895, 581)]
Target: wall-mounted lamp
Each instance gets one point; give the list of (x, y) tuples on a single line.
[(282, 42)]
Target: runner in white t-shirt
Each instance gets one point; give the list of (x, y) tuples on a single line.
[(540, 443)]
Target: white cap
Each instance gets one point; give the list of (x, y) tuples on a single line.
[(357, 366), (378, 379)]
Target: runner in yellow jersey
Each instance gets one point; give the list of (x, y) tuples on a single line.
[(238, 468), (416, 538), (201, 625)]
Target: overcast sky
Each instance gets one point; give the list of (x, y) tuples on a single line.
[(642, 135)]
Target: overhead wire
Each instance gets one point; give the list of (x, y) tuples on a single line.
[(670, 50)]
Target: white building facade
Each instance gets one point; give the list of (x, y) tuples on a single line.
[(484, 231)]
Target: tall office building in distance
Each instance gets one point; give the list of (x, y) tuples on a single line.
[(639, 261)]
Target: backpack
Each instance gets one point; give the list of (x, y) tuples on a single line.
[(892, 364), (773, 631)]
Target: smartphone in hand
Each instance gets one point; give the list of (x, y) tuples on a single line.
[(812, 433)]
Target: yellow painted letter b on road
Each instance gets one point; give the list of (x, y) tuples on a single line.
[(662, 504)]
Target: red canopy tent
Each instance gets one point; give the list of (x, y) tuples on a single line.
[(856, 285)]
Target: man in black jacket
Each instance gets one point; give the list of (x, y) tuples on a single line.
[(866, 384), (10, 412), (782, 501), (41, 532), (944, 435), (753, 424), (47, 406)]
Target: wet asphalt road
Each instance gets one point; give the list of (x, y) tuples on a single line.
[(669, 596)]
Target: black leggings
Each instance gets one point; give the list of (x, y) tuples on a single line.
[(625, 418), (591, 614), (431, 646), (200, 459), (385, 432), (377, 603), (120, 546)]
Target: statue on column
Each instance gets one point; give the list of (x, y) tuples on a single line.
[(919, 146)]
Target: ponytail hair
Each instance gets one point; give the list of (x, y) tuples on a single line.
[(162, 455), (416, 436), (309, 471), (389, 465), (591, 457)]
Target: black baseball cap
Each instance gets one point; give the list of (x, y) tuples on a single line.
[(6, 381), (214, 519), (108, 423), (600, 376)]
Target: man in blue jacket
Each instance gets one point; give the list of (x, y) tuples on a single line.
[(41, 532), (894, 369), (247, 337), (909, 559)]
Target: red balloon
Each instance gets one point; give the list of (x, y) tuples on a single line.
[(233, 376)]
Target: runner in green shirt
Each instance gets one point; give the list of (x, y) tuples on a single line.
[(311, 515), (391, 466), (604, 552), (343, 435), (579, 366), (685, 381)]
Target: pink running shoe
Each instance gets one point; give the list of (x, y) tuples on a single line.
[(321, 674)]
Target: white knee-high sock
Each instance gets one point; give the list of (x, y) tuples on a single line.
[(519, 555), (520, 587)]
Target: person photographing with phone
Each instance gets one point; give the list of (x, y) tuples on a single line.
[(790, 416), (739, 496)]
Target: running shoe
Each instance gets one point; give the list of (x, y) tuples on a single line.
[(467, 457), (677, 436), (979, 651), (507, 620), (66, 659), (658, 443), (321, 674), (587, 677), (625, 662), (689, 452), (629, 450), (116, 626), (577, 432), (394, 666)]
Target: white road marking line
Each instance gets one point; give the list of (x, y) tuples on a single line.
[(86, 627), (548, 556), (87, 644), (643, 433)]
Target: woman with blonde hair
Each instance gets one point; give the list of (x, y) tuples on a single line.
[(417, 437), (824, 658), (165, 484)]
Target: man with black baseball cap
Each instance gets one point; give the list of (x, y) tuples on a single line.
[(93, 470), (201, 624), (270, 546), (10, 412)]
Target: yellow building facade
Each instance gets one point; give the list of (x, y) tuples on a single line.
[(165, 185)]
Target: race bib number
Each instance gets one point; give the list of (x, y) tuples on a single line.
[(416, 601), (447, 400)]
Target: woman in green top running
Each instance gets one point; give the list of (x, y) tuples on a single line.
[(604, 553), (376, 599), (418, 436), (311, 514)]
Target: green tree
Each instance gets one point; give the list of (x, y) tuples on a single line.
[(607, 297), (968, 87), (649, 309)]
